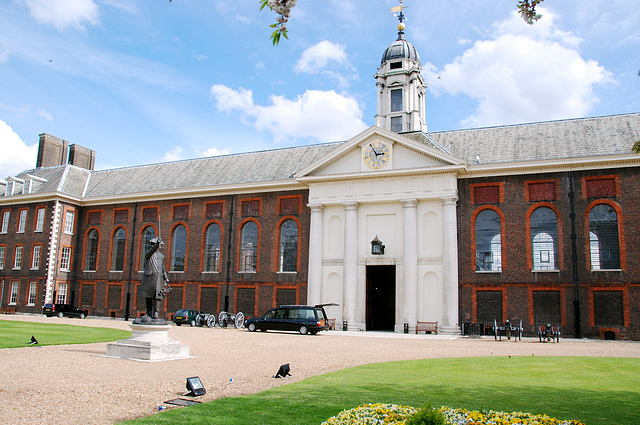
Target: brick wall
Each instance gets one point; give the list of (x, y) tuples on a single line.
[(519, 196)]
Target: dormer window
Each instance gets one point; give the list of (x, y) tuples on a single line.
[(395, 65)]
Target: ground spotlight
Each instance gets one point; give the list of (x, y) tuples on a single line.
[(283, 371), (195, 387)]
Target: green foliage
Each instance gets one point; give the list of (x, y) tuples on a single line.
[(636, 147), (427, 416), (527, 9), (596, 391), (15, 334)]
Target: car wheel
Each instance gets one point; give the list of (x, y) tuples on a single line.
[(199, 320), (60, 315), (252, 327), (192, 323), (81, 315), (303, 330)]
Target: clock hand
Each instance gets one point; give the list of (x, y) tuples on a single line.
[(373, 149)]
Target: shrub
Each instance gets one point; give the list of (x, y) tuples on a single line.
[(427, 416)]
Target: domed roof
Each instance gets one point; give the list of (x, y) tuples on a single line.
[(400, 49)]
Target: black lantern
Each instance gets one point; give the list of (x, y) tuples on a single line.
[(376, 246)]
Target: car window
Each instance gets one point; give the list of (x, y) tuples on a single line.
[(320, 312), (282, 313), (270, 314)]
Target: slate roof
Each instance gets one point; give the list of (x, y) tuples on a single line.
[(583, 137), (237, 169)]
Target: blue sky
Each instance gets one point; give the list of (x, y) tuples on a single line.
[(148, 80)]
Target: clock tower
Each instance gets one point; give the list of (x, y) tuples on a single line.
[(401, 88)]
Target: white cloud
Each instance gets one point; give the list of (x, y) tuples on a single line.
[(64, 13), (173, 155), (317, 57), (214, 152), (523, 73), (17, 156), (318, 115)]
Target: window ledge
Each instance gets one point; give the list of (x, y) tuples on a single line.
[(488, 271), (20, 231), (177, 271), (210, 272), (17, 268), (248, 272), (64, 270), (605, 270), (31, 305), (545, 271), (34, 268), (88, 271), (116, 271), (281, 272)]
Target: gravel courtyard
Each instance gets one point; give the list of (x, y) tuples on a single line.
[(76, 382)]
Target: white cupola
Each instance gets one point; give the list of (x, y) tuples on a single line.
[(401, 88)]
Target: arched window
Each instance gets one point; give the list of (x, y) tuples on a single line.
[(178, 248), (212, 248), (603, 238), (117, 254), (147, 234), (249, 247), (544, 239), (488, 241), (91, 254), (289, 246)]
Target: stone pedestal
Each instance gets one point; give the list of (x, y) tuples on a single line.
[(149, 343)]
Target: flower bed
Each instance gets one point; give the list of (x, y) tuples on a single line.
[(381, 414)]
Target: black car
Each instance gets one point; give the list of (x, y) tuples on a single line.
[(62, 310), (301, 318)]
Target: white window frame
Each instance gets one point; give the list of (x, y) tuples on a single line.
[(35, 257), (5, 221), (22, 221), (40, 220), (61, 295), (17, 259), (69, 218), (15, 289), (65, 259), (3, 251), (33, 292)]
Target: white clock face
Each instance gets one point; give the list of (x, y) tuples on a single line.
[(376, 155)]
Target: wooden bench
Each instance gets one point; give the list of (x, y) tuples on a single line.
[(8, 310), (427, 327), (332, 324)]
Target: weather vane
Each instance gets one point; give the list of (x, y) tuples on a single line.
[(400, 15)]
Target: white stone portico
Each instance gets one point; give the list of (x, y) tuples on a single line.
[(409, 203)]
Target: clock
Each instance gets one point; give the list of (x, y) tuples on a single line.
[(376, 155)]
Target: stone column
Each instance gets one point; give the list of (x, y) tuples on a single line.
[(450, 267), (410, 263), (314, 276), (350, 277)]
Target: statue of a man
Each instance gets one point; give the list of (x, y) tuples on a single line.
[(154, 285)]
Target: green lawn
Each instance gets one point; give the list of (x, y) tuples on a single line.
[(18, 334), (597, 391)]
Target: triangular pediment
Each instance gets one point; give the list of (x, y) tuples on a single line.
[(404, 154)]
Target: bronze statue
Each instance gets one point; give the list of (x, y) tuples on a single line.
[(155, 283)]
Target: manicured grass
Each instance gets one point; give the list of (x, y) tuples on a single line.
[(597, 391), (18, 334)]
